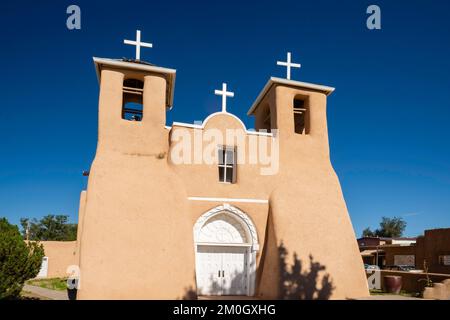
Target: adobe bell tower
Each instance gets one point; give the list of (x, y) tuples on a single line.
[(133, 100), (295, 112), (127, 246), (308, 212)]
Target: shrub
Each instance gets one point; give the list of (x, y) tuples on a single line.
[(19, 261)]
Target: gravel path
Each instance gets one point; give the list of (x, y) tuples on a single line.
[(47, 293)]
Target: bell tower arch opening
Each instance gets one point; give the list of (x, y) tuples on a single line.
[(132, 101), (300, 106)]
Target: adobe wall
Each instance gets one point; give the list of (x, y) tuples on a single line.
[(81, 212), (413, 282), (391, 252), (195, 176), (368, 242), (434, 243), (439, 291), (61, 254)]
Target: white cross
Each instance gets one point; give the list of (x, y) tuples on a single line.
[(138, 44), (224, 93), (288, 64)]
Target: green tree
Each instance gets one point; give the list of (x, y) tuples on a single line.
[(50, 227), (389, 228), (19, 260), (368, 233)]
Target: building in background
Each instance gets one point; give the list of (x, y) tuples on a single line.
[(433, 248), (373, 249), (59, 256)]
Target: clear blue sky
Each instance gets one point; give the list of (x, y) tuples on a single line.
[(388, 118)]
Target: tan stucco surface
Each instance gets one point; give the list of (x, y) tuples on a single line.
[(136, 221), (61, 255)]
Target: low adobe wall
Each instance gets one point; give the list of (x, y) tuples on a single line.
[(439, 291), (61, 254), (412, 282)]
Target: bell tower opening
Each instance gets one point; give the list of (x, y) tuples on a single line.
[(132, 103), (265, 119), (301, 115)]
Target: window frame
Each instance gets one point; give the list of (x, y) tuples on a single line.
[(442, 258), (226, 165)]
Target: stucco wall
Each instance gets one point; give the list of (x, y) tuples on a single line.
[(434, 243), (439, 291), (61, 254), (391, 252)]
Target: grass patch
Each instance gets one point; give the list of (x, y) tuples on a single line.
[(59, 284)]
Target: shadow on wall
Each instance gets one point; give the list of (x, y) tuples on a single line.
[(218, 287), (295, 282), (298, 284), (189, 293)]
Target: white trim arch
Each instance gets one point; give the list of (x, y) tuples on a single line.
[(226, 208), (251, 244), (223, 113), (204, 122)]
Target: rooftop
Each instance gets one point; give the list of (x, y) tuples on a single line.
[(292, 83), (139, 65), (387, 238)]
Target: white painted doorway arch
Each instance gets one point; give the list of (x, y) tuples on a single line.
[(226, 244)]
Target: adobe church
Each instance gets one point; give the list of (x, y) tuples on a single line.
[(152, 227)]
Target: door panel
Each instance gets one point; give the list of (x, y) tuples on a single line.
[(221, 270), (209, 263), (234, 271)]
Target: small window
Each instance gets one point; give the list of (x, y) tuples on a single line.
[(227, 164), (132, 107), (301, 117), (444, 260)]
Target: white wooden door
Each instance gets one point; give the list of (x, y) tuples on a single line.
[(234, 271), (221, 270), (44, 268), (208, 266)]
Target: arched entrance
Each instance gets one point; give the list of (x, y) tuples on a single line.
[(225, 252)]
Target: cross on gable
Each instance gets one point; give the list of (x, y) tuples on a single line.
[(224, 93), (288, 64), (138, 44)]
